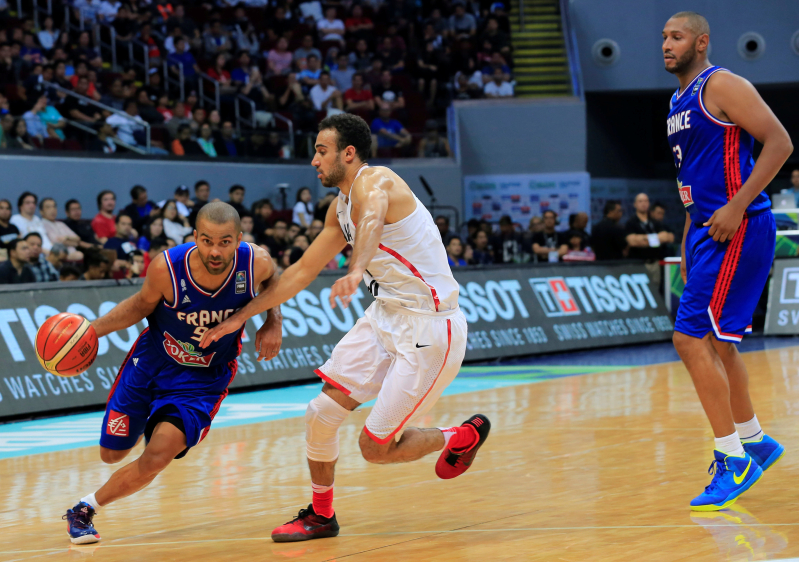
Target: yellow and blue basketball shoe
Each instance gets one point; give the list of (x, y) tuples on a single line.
[(732, 476), (766, 451)]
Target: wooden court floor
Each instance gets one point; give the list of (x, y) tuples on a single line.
[(596, 467)]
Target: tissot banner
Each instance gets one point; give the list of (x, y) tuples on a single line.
[(511, 311), (782, 314)]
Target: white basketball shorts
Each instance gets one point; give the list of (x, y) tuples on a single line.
[(403, 359)]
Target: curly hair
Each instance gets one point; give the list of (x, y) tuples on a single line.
[(352, 131)]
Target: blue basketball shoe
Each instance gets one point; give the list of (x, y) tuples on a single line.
[(79, 524), (732, 476), (765, 451)]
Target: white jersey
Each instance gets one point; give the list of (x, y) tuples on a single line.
[(410, 267)]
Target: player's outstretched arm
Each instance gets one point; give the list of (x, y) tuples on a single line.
[(156, 285), (371, 194), (294, 279), (734, 99), (269, 336)]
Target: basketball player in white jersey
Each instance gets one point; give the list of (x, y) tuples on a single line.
[(405, 350)]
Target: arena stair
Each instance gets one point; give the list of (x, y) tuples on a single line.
[(541, 64)]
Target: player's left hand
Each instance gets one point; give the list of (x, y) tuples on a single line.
[(724, 222), (268, 339), (344, 288), (219, 331)]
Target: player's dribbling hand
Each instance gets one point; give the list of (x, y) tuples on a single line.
[(344, 288), (724, 222), (268, 339), (219, 331)]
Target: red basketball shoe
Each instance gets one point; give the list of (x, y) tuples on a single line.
[(306, 526), (453, 463)]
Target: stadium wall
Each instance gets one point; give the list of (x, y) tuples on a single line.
[(83, 178), (635, 27), (521, 136)]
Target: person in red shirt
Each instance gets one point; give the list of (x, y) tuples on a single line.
[(358, 99), (358, 26), (82, 69), (222, 76), (104, 223)]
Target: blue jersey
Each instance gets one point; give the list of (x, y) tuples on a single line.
[(713, 157), (176, 327)]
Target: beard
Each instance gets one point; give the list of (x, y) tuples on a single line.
[(336, 175), (683, 62), (215, 270)]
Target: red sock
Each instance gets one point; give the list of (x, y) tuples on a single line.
[(323, 500), (464, 439)]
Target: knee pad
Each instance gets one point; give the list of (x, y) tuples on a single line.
[(322, 419)]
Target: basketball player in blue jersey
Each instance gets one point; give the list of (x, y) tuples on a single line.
[(727, 248), (167, 389)]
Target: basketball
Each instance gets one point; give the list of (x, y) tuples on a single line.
[(66, 344)]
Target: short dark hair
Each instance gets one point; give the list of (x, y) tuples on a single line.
[(446, 219), (218, 212), (657, 204), (158, 242), (21, 198), (351, 131), (137, 190), (549, 211), (120, 216), (12, 244), (199, 183), (610, 205), (41, 203), (102, 194), (69, 203), (68, 271), (6, 201), (32, 235), (93, 258), (285, 222), (235, 187), (505, 219), (134, 253)]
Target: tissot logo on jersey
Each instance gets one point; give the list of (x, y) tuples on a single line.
[(678, 122)]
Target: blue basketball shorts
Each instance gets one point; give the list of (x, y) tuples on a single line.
[(148, 383), (725, 280)]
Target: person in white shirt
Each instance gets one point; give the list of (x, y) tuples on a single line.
[(303, 209), (26, 220), (331, 28), (108, 10), (324, 95), (498, 87), (57, 231), (311, 10), (182, 201), (126, 127), (175, 226), (48, 36)]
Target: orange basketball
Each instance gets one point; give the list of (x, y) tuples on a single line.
[(66, 344)]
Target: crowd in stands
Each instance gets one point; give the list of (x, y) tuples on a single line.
[(397, 64), (643, 237), (120, 244)]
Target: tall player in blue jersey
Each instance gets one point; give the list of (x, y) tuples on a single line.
[(168, 390), (728, 245)]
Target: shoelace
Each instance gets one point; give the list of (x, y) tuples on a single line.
[(304, 512), (717, 470), (78, 519)]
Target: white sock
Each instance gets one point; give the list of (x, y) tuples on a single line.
[(730, 445), (319, 489), (92, 502), (749, 431), (448, 433)]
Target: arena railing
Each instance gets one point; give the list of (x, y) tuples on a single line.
[(145, 63), (38, 9), (169, 79), (103, 107), (111, 45), (203, 77), (570, 40)]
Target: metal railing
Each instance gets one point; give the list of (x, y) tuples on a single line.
[(573, 55), (37, 9), (203, 77), (145, 64), (112, 46), (253, 123), (68, 18), (103, 107), (169, 79), (290, 125)]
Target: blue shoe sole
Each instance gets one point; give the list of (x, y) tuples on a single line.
[(732, 498), (773, 458)]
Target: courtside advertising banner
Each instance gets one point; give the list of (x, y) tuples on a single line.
[(782, 314), (510, 310)]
